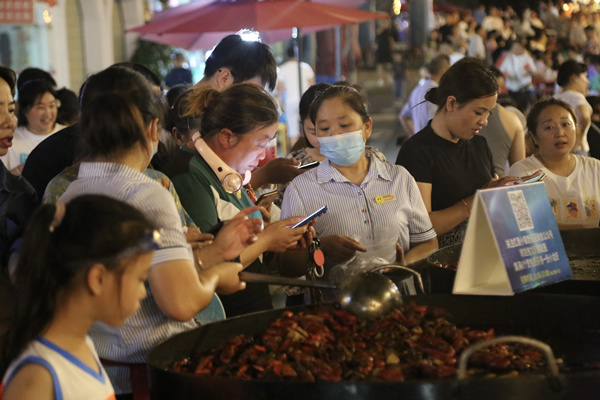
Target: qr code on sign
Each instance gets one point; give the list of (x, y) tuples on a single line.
[(520, 209)]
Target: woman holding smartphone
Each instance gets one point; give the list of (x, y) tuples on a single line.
[(361, 192), (448, 159), (119, 128), (310, 156), (571, 179), (229, 134)]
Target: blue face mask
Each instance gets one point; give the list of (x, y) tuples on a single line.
[(344, 149)]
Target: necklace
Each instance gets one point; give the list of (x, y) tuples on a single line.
[(560, 169)]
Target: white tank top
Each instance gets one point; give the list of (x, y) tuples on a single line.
[(72, 379)]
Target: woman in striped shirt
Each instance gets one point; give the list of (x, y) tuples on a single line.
[(119, 127)]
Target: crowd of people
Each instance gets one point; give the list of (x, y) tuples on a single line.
[(128, 219)]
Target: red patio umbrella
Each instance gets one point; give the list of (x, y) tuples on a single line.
[(206, 40), (266, 15), (203, 41), (260, 15)]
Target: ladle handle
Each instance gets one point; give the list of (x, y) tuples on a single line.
[(280, 280), (412, 271)]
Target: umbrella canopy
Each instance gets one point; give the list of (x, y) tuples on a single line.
[(202, 41), (266, 15), (441, 7)]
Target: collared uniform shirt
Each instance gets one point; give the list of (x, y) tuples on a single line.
[(387, 197)]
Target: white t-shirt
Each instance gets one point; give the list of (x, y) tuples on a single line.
[(288, 74), (576, 99), (476, 47), (516, 70), (574, 199), (24, 141)]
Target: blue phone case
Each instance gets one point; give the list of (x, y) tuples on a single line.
[(312, 216)]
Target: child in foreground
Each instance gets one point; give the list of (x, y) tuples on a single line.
[(83, 262)]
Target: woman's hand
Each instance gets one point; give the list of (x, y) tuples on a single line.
[(340, 248), (528, 177), (197, 239), (228, 275), (266, 214), (400, 255), (279, 170), (308, 237), (238, 233), (280, 235), (497, 182)]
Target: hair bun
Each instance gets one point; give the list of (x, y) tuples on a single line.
[(200, 100), (432, 95)]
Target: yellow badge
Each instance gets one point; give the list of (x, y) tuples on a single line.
[(239, 194), (385, 199)]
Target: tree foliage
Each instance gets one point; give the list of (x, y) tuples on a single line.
[(155, 56)]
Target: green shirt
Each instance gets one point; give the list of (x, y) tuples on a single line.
[(207, 202), (201, 192)]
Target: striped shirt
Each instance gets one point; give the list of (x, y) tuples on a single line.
[(146, 328), (387, 197)]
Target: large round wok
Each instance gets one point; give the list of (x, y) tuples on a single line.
[(569, 324), (582, 248)]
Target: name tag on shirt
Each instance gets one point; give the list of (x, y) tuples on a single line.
[(385, 199)]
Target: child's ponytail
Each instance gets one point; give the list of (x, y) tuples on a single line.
[(36, 286)]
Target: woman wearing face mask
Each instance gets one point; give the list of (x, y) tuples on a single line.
[(361, 192), (37, 111), (311, 152), (572, 181), (447, 158)]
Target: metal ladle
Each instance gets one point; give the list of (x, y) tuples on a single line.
[(367, 295)]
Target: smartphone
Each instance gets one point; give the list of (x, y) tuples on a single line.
[(538, 178), (266, 199), (310, 165), (312, 216)]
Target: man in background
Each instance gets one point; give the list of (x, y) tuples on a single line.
[(417, 111), (179, 75)]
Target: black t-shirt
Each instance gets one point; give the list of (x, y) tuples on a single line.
[(455, 170), (179, 76), (50, 157)]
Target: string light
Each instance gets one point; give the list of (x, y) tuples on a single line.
[(47, 16), (397, 7), (249, 35)]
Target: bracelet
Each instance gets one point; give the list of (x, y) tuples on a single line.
[(466, 205)]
